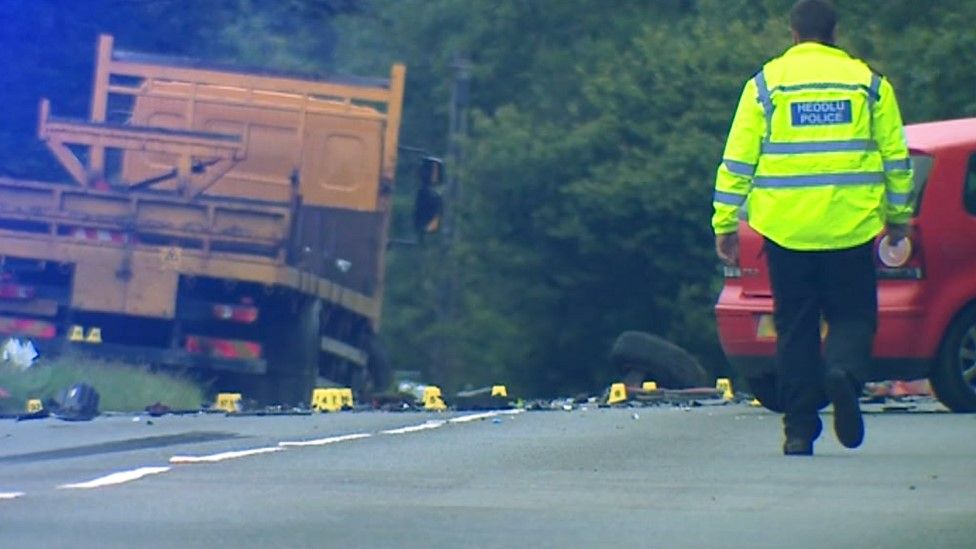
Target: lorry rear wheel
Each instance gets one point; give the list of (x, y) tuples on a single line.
[(380, 371), (376, 375), (291, 351), (954, 374), (643, 357)]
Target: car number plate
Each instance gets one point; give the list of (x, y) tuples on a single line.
[(766, 329)]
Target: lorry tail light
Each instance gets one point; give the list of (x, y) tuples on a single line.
[(16, 291), (29, 327), (902, 261), (222, 348), (243, 314)]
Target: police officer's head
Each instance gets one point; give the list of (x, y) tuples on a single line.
[(813, 21)]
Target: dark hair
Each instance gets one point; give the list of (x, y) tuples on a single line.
[(814, 20)]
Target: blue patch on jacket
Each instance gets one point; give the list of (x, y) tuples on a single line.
[(821, 113)]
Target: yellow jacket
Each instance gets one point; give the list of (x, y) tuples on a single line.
[(816, 153)]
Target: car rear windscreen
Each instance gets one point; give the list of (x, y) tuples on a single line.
[(921, 167)]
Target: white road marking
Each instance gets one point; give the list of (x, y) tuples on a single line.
[(11, 495), (484, 415), (213, 458), (135, 474), (118, 478), (324, 441), (431, 424)]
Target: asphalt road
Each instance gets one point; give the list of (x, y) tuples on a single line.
[(646, 477)]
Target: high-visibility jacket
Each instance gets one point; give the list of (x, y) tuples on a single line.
[(816, 153)]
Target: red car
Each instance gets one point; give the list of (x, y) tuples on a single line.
[(926, 288)]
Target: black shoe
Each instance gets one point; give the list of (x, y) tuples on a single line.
[(798, 447), (848, 424)]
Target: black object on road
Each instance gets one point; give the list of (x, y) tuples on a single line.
[(641, 356), (76, 403)]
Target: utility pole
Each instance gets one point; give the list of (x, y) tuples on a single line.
[(445, 367), (457, 133)]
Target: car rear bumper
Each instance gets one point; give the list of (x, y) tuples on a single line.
[(881, 369), (744, 328)]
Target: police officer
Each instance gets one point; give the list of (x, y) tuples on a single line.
[(817, 156)]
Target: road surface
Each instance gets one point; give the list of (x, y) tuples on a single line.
[(619, 477)]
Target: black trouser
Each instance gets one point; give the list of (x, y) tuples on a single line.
[(838, 286)]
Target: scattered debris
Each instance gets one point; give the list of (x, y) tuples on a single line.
[(898, 388), (486, 398), (19, 353), (157, 409), (40, 414)]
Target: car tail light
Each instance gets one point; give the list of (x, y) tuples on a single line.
[(244, 314), (894, 255), (902, 261)]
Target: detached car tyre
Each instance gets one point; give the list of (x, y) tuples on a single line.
[(641, 356)]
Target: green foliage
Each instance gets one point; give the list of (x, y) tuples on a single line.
[(596, 129), (121, 387)]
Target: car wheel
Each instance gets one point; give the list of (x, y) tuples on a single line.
[(641, 356), (763, 388), (953, 377)]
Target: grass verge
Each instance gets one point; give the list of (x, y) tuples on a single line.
[(121, 387)]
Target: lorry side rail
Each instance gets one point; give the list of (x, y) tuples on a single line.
[(71, 213), (137, 75), (333, 80), (202, 156)]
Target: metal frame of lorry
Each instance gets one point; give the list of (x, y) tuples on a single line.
[(231, 222)]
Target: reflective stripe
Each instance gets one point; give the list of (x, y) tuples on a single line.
[(871, 90), (739, 168), (866, 178), (766, 100), (731, 199), (897, 199), (874, 92), (820, 146), (903, 164)]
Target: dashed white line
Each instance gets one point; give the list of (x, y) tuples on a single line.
[(11, 495), (223, 456), (431, 424), (118, 478), (484, 415), (135, 474), (324, 441)]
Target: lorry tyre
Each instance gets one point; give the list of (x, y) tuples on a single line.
[(763, 388), (373, 377), (292, 348), (954, 373), (379, 368), (641, 356)]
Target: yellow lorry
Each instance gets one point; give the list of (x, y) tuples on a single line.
[(227, 221)]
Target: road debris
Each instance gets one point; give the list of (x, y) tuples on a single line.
[(485, 398), (157, 409), (18, 353), (76, 403)]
